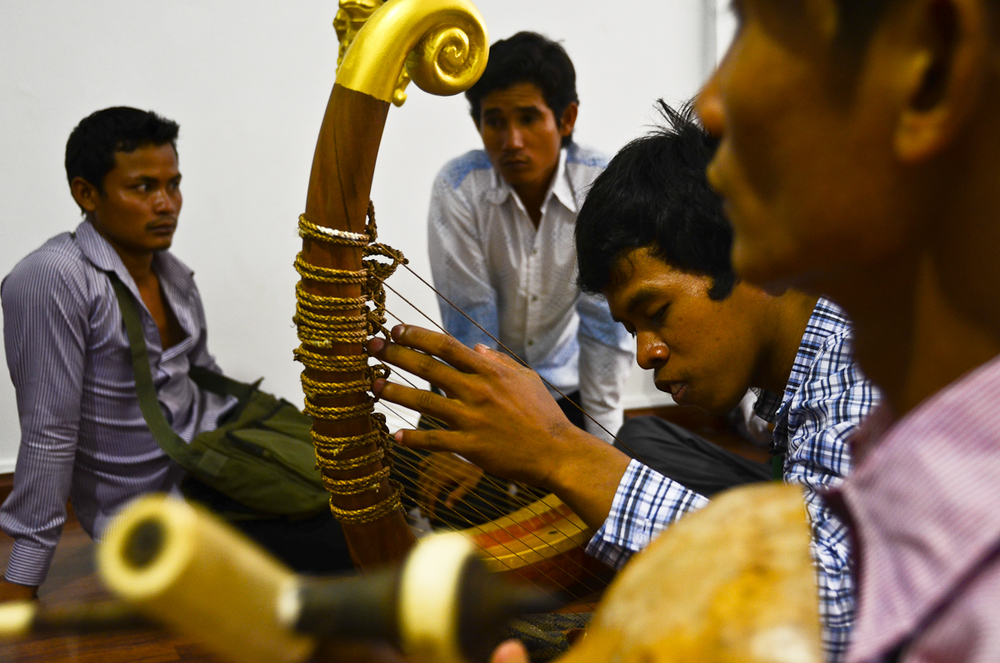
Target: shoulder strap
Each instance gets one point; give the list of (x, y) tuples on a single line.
[(171, 443)]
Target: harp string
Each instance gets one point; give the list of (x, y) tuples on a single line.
[(589, 581), (492, 488), (584, 583)]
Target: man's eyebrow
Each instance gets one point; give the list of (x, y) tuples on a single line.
[(533, 108), (641, 297)]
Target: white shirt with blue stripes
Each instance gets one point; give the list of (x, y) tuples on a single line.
[(519, 282)]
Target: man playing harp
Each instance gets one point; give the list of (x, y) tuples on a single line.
[(652, 238)]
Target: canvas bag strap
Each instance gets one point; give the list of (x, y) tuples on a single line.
[(171, 443)]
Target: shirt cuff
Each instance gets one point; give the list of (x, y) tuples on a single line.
[(645, 503), (28, 564)]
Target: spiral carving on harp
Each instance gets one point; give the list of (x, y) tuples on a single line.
[(442, 44)]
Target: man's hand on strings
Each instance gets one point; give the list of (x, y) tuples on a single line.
[(440, 473), (501, 417), (499, 414)]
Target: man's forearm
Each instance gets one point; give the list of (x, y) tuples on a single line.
[(586, 475)]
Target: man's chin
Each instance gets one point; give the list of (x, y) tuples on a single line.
[(767, 271), (161, 245)]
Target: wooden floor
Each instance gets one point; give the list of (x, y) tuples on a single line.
[(72, 581)]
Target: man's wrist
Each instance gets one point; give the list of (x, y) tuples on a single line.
[(586, 473)]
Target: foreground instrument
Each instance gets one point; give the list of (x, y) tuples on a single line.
[(732, 582), (179, 565)]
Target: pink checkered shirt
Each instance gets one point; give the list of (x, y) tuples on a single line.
[(924, 502)]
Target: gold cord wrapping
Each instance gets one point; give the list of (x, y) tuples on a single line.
[(372, 513), (323, 321)]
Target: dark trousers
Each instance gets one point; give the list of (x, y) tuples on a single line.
[(310, 545), (688, 459), (307, 545), (493, 497)]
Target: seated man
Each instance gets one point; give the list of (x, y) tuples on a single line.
[(500, 235), (651, 236), (83, 436), (860, 157)]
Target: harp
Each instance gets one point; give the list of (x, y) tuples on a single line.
[(442, 45)]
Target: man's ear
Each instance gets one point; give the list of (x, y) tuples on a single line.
[(85, 194), (947, 53), (568, 119)]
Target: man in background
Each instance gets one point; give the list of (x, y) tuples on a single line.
[(500, 234), (83, 436), (652, 238)]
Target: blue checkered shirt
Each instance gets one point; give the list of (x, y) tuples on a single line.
[(825, 399)]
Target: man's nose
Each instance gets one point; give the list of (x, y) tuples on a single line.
[(513, 139), (708, 105), (650, 351), (167, 202)]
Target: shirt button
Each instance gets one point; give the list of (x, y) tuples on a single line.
[(534, 298), (531, 342)]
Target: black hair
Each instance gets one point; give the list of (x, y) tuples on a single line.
[(654, 194), (528, 57), (856, 23), (857, 20), (90, 150)]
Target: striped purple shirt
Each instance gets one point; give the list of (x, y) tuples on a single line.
[(924, 504), (83, 437)]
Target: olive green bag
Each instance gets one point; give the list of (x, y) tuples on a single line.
[(258, 463)]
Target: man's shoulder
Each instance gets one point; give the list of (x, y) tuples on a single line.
[(826, 369), (473, 163), (583, 165), (58, 255), (586, 157), (831, 333)]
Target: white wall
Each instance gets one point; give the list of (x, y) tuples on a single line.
[(248, 81)]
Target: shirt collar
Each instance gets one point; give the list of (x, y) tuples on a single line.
[(561, 188), (923, 502), (100, 252), (827, 318), (102, 255)]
